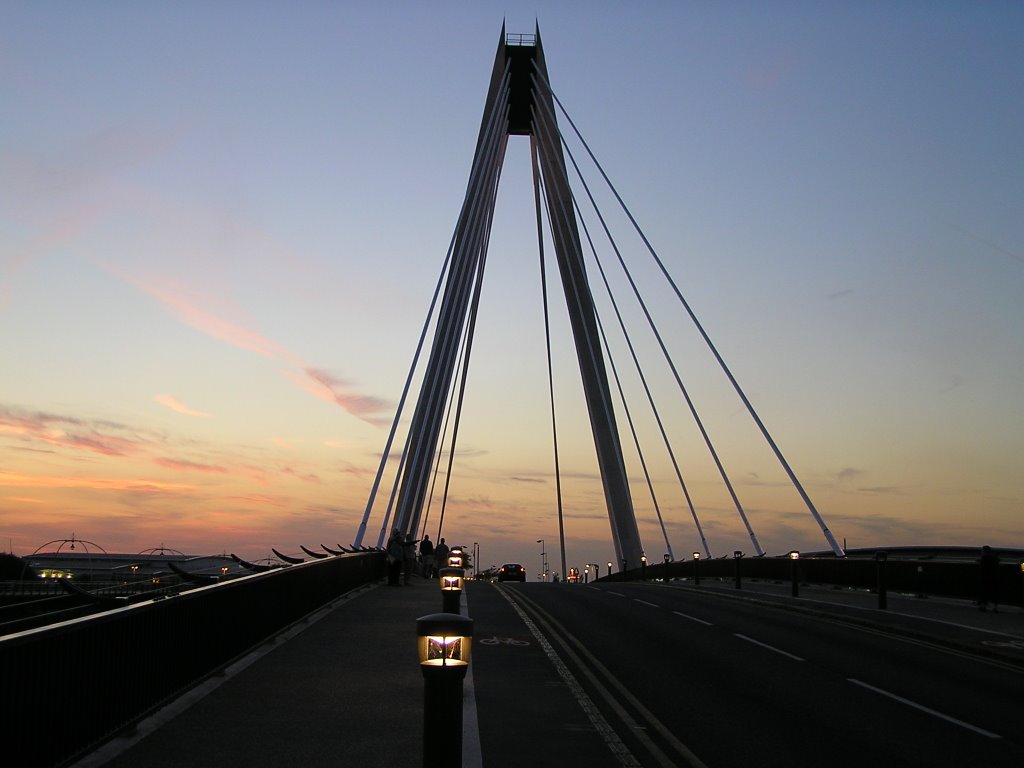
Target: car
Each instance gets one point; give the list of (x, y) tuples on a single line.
[(512, 572)]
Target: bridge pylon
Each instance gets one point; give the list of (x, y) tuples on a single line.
[(519, 103)]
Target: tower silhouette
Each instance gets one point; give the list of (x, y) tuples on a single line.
[(519, 103)]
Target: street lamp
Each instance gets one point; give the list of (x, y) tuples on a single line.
[(696, 572), (736, 556), (444, 642), (643, 567), (667, 560), (609, 568), (543, 561)]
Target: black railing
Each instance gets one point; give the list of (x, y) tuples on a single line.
[(73, 684), (957, 579)]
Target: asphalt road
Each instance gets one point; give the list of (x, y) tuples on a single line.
[(648, 675)]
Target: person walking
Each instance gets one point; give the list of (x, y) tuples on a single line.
[(395, 555), (427, 556), (408, 557), (441, 554)]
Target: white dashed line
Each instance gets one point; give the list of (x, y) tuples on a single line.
[(923, 708), (765, 645), (693, 618)]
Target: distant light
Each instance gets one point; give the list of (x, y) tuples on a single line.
[(794, 555), (696, 555)]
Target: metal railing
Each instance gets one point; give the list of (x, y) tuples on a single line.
[(517, 39), (72, 685), (956, 579)]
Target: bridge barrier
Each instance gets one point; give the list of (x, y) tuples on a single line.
[(958, 579), (71, 685)]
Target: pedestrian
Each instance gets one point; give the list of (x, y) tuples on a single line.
[(408, 557), (395, 555), (441, 554), (988, 579), (427, 556)]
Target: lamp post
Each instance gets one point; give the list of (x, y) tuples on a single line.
[(883, 598), (696, 570), (609, 568), (643, 567), (451, 588), (476, 559), (737, 556), (794, 572), (444, 642), (667, 560), (543, 561)]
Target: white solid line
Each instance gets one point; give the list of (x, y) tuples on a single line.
[(617, 594), (693, 618), (923, 708), (765, 645), (644, 602)]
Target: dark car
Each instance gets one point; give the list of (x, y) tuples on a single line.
[(511, 572)]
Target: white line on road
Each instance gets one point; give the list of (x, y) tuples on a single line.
[(644, 602), (617, 594), (923, 708), (693, 618), (765, 645)]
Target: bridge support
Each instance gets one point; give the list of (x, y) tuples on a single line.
[(518, 103)]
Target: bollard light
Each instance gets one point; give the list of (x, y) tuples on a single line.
[(696, 573), (451, 581), (444, 642), (455, 557)]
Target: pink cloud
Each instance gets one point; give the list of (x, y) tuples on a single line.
[(189, 466), (176, 405), (67, 432), (12, 480), (186, 305)]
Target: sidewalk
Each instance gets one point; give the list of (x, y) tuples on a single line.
[(342, 687)]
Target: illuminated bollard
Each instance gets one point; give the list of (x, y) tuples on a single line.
[(444, 642), (696, 569), (451, 580), (643, 567), (794, 572)]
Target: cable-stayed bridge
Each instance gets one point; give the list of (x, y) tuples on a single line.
[(574, 233), (771, 660)]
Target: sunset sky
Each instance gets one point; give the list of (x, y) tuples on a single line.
[(221, 224)]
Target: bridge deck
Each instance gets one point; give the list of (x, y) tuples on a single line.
[(344, 686)]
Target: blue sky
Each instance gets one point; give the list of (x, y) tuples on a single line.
[(220, 224)]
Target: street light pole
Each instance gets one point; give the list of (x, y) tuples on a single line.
[(543, 561)]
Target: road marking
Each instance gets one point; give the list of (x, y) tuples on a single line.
[(923, 708), (765, 645), (601, 725), (617, 594), (693, 618), (613, 699), (644, 602)]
